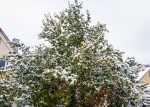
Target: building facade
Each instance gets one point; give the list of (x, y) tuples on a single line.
[(144, 78), (5, 48)]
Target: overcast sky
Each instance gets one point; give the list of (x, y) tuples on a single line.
[(128, 21)]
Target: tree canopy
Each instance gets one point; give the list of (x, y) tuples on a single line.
[(79, 68)]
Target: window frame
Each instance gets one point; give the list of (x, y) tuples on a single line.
[(4, 65)]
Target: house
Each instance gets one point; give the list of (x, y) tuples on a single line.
[(144, 78), (5, 48)]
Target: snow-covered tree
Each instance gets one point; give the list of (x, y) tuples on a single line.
[(145, 95), (79, 68), (5, 90)]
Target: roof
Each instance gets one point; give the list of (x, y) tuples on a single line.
[(7, 39), (4, 34), (142, 73)]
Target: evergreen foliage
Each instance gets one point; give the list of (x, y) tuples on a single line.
[(79, 68)]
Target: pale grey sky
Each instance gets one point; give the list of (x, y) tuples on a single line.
[(128, 21)]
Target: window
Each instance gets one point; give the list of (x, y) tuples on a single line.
[(2, 64)]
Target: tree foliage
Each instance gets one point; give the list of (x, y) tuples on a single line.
[(79, 68)]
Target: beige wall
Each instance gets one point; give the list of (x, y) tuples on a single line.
[(146, 77), (4, 46)]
